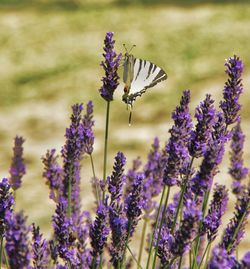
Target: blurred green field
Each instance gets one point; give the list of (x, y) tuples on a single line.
[(50, 58)]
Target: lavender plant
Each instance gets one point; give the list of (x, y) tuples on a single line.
[(183, 228)]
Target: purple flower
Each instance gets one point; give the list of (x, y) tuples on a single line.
[(6, 203), (134, 203), (153, 171), (88, 123), (110, 66), (63, 233), (17, 168), (17, 240), (188, 227), (176, 148), (164, 246), (235, 229), (40, 250), (217, 208), (99, 231), (53, 174), (72, 153), (118, 225), (205, 115), (246, 260), (219, 259), (116, 181), (237, 171), (232, 90), (203, 179)]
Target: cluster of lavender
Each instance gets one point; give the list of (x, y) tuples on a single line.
[(182, 233)]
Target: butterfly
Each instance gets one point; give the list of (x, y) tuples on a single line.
[(138, 76)]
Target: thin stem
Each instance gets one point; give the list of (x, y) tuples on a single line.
[(126, 245), (156, 225), (161, 223), (1, 252), (134, 258), (100, 263), (204, 254), (180, 202), (106, 147), (180, 262), (207, 257), (142, 241), (194, 259), (238, 227), (94, 175)]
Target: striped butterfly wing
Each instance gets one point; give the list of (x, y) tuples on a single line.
[(145, 75)]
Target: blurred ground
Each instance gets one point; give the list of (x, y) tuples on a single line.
[(50, 56)]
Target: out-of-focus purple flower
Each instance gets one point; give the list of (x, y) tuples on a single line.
[(237, 170), (16, 245), (232, 89), (176, 147), (17, 168), (164, 246), (40, 250), (118, 225), (219, 259), (116, 181), (153, 171), (217, 208), (53, 174), (110, 66), (236, 227), (131, 174), (6, 203), (205, 115), (188, 226), (72, 153), (246, 260), (202, 180), (134, 203), (88, 123), (63, 233), (99, 231)]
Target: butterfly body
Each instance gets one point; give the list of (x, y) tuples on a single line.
[(138, 76)]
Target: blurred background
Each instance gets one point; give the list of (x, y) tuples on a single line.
[(50, 54)]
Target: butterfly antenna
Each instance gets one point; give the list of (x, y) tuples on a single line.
[(131, 48), (125, 47)]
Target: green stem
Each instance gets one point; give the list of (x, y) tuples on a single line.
[(134, 258), (180, 262), (106, 146), (1, 252), (100, 263), (238, 227), (126, 245), (142, 242), (94, 175), (155, 228), (204, 254), (161, 223), (207, 257), (180, 202)]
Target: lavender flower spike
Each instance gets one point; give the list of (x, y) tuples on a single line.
[(40, 250), (187, 229), (53, 174), (237, 171), (17, 240), (216, 210), (219, 259), (205, 115), (176, 148), (6, 202), (98, 233), (17, 168), (115, 182), (235, 229), (110, 66), (232, 90), (88, 123)]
